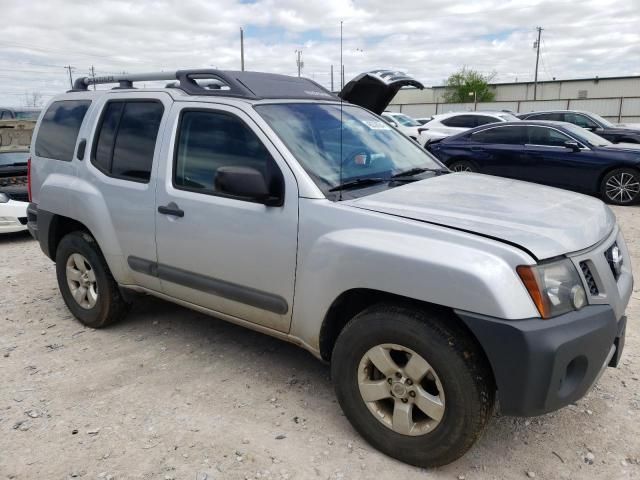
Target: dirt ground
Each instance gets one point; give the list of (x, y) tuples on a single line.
[(173, 394)]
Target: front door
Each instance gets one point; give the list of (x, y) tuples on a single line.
[(227, 254)]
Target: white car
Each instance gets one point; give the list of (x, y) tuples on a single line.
[(404, 123), (13, 191), (447, 124)]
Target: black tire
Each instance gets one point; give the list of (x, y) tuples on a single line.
[(462, 166), (628, 176), (463, 371), (109, 305)]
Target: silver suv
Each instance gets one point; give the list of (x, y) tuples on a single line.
[(269, 202)]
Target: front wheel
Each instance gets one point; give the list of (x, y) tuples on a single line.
[(413, 384), (462, 166), (621, 186)]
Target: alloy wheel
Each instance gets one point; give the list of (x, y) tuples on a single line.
[(401, 389), (81, 280), (622, 187)]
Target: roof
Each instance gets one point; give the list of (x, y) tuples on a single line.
[(221, 83)]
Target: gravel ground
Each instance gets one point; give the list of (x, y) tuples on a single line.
[(173, 394)]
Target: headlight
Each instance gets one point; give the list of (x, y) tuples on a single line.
[(4, 198), (554, 287)]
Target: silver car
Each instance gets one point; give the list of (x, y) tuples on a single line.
[(269, 202)]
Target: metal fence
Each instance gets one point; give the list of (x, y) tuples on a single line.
[(615, 109)]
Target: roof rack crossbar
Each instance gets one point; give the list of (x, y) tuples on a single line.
[(186, 81)]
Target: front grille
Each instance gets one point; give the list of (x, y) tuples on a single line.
[(18, 196), (591, 283), (614, 259)]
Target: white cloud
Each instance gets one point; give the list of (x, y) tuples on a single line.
[(427, 39)]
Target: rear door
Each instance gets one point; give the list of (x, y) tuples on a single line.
[(122, 164), (498, 150), (225, 253)]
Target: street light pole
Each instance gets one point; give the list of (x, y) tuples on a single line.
[(535, 81)]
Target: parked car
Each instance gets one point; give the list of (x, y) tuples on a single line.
[(452, 123), (404, 123), (591, 121), (274, 205), (26, 113), (552, 153), (13, 190)]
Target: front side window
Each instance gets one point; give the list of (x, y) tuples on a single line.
[(580, 120), (511, 135), (547, 136), (336, 147), (484, 120), (126, 139), (59, 129), (208, 140)]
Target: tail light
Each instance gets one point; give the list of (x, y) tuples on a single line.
[(29, 178)]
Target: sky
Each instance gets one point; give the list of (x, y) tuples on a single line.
[(426, 39)]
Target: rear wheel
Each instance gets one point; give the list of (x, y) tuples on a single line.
[(85, 282), (462, 166), (416, 389), (621, 186)]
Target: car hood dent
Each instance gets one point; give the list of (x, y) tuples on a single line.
[(544, 221)]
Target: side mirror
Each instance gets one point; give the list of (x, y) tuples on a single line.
[(248, 183), (572, 145)]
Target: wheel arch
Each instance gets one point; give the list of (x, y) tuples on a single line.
[(351, 302), (59, 226)]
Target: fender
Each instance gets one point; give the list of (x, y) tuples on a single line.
[(424, 262), (72, 197)]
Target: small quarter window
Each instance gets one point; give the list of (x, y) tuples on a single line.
[(126, 139), (59, 129)]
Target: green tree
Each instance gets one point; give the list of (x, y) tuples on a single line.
[(460, 87)]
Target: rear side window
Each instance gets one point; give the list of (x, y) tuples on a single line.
[(209, 140), (460, 121), (503, 135), (59, 129), (126, 139), (555, 117)]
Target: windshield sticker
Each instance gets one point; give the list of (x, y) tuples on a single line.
[(376, 124)]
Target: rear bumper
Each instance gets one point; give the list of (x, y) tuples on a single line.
[(13, 216), (543, 365)]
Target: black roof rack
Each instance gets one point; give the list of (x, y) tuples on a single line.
[(250, 85)]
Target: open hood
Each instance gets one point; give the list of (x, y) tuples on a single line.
[(374, 90)]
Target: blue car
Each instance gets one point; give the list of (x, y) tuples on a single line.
[(552, 153)]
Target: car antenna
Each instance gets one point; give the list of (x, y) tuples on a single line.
[(341, 125)]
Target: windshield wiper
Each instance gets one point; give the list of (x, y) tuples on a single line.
[(357, 183), (415, 171)]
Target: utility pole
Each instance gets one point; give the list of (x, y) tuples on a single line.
[(537, 46), (93, 76), (69, 68), (299, 61), (342, 83), (242, 50)]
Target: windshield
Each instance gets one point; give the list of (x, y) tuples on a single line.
[(602, 121), (9, 158), (585, 135), (370, 148), (404, 120)]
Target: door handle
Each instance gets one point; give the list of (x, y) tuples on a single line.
[(171, 209), (476, 149)]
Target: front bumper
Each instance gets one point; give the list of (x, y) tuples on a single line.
[(543, 365), (13, 216)]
